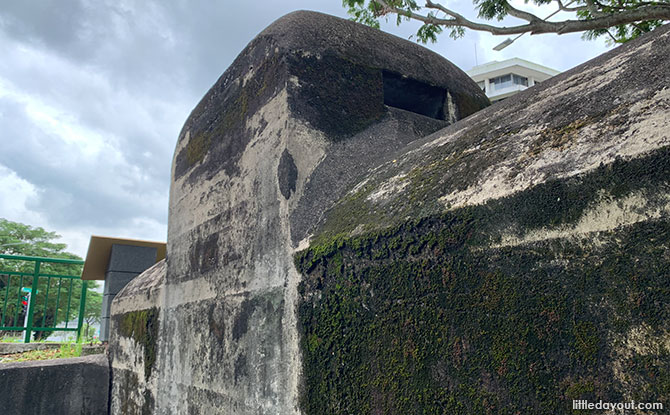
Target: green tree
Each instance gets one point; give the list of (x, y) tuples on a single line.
[(20, 239), (92, 312), (621, 20)]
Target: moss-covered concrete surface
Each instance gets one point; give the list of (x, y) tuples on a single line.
[(508, 264), (142, 326), (134, 342), (431, 317)]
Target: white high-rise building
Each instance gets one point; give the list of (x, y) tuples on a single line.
[(500, 80)]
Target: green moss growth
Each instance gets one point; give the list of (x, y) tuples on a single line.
[(426, 317), (218, 123), (235, 111), (552, 203), (197, 148), (142, 326), (557, 138), (587, 341)]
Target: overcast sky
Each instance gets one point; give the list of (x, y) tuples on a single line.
[(93, 95)]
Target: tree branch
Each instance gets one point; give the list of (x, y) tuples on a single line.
[(537, 26), (520, 14), (593, 9), (564, 8), (611, 35)]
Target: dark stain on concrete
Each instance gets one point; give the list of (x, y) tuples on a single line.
[(287, 174), (318, 36), (210, 250), (217, 326), (205, 254), (240, 367), (149, 403), (336, 95), (241, 324)]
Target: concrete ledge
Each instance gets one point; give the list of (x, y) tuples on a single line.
[(88, 350), (11, 348), (53, 387), (14, 348)]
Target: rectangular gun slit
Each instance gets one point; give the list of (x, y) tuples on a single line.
[(412, 95)]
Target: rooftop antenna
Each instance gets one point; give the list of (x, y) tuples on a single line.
[(476, 62)]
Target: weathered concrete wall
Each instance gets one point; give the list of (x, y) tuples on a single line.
[(507, 264), (134, 341), (55, 387), (297, 118)]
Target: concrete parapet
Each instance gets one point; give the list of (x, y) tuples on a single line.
[(55, 387)]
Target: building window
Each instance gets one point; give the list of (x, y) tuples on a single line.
[(501, 82), (520, 80), (482, 85), (506, 81)]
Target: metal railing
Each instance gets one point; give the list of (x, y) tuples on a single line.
[(36, 294)]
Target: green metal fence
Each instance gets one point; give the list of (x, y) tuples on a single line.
[(36, 294)]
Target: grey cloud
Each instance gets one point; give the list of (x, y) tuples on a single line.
[(52, 24), (75, 190)]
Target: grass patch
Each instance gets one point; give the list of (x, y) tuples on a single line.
[(65, 351)]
